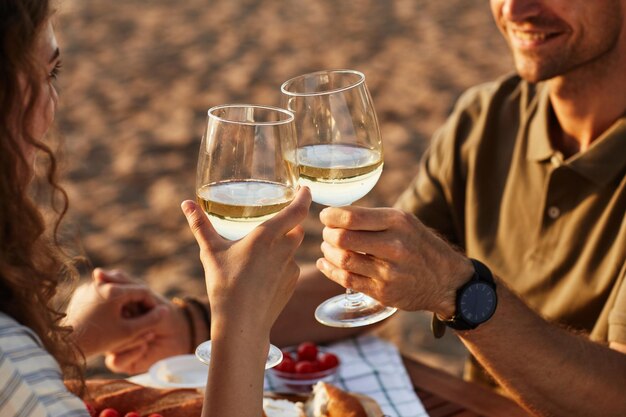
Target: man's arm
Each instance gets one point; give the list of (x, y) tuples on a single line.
[(297, 322), (391, 256), (548, 369)]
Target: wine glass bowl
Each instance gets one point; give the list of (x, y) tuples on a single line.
[(340, 151), (340, 159), (247, 170)]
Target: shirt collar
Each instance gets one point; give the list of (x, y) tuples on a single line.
[(605, 158), (539, 146)]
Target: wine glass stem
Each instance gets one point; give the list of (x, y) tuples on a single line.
[(353, 299)]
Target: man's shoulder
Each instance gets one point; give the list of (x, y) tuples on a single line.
[(509, 92)]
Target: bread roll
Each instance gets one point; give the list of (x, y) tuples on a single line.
[(124, 396), (330, 401)]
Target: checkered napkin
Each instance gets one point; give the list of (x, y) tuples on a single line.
[(372, 367)]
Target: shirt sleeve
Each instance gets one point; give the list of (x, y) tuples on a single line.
[(16, 397), (617, 317), (31, 384), (437, 193)]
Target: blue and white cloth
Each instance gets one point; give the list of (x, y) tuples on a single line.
[(372, 367)]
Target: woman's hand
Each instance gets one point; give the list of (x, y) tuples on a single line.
[(168, 336), (112, 311), (249, 281)]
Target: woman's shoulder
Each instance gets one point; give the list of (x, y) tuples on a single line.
[(13, 332), (30, 378), (23, 348)]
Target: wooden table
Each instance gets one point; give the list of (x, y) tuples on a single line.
[(445, 395)]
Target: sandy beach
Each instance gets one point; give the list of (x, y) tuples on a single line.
[(139, 76)]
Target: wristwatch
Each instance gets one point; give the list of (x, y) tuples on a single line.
[(476, 302)]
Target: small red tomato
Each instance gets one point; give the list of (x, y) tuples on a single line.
[(317, 366), (91, 410), (287, 355), (304, 367), (109, 412), (287, 365), (307, 351), (328, 360), (132, 414)]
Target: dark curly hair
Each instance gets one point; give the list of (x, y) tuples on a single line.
[(32, 262)]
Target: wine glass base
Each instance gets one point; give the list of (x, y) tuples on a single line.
[(339, 312), (203, 353)]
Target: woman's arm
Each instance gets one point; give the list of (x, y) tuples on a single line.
[(248, 283)]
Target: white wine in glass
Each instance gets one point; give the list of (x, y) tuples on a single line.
[(340, 158), (247, 173)]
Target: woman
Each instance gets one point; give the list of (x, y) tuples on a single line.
[(36, 350)]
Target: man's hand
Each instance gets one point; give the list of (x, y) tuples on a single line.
[(112, 311), (391, 256)]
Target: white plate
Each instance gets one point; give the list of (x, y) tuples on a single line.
[(274, 357), (183, 371)]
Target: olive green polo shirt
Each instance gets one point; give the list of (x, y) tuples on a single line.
[(552, 228)]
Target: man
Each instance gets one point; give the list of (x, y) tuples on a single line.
[(527, 176)]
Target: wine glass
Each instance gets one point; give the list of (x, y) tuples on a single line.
[(340, 158), (247, 173)]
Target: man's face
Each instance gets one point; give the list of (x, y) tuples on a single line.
[(549, 38)]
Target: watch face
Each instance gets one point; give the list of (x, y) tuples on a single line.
[(478, 302)]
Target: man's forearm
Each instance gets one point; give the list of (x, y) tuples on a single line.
[(297, 322), (548, 369)]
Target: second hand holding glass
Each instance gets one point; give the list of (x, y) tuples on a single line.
[(340, 157), (246, 174)]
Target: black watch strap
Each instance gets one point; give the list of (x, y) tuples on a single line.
[(481, 274)]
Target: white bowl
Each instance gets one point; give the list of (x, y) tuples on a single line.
[(182, 371)]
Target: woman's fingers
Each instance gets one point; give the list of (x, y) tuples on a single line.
[(200, 226), (113, 276), (125, 361), (292, 215)]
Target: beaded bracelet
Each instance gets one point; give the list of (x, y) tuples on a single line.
[(192, 328)]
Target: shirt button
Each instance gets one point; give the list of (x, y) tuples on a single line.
[(556, 161), (554, 212)]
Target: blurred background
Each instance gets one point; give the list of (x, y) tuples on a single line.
[(139, 76)]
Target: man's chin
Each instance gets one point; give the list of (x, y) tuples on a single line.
[(534, 75), (531, 78)]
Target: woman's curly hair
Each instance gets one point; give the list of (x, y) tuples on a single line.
[(32, 262)]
